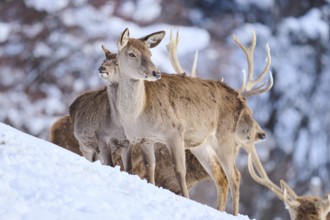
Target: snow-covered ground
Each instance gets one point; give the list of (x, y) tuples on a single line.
[(39, 180)]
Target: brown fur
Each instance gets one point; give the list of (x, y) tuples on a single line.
[(307, 210), (300, 207), (88, 124), (95, 122), (305, 207), (182, 112), (61, 133)]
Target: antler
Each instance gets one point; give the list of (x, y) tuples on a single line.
[(298, 205), (284, 193), (262, 177), (173, 55), (253, 161), (248, 87)]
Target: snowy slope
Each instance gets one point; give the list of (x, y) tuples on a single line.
[(39, 180)]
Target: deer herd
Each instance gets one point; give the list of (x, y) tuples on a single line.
[(174, 129)]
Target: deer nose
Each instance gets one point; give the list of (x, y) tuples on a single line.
[(156, 74), (101, 69), (261, 135)]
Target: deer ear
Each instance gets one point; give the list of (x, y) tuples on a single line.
[(153, 39), (324, 204), (106, 52), (123, 39)]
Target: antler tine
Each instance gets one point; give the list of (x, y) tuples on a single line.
[(249, 53), (284, 185), (248, 86), (290, 197), (193, 68), (252, 83), (172, 52), (262, 88), (173, 55), (262, 178), (242, 89)]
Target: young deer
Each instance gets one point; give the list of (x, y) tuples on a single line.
[(204, 116), (300, 207), (94, 120)]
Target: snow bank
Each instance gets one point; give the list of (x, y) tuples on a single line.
[(42, 181)]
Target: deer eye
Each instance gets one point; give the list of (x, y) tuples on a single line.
[(131, 55)]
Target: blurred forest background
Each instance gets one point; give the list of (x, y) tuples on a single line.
[(50, 52)]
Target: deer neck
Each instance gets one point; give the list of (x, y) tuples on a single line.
[(131, 97), (112, 91)]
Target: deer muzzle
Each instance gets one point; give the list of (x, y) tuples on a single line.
[(101, 69), (261, 135), (156, 74)]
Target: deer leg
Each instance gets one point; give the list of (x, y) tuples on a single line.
[(212, 166), (149, 160), (234, 177), (126, 156), (221, 181), (106, 155), (176, 148), (105, 151), (88, 153)]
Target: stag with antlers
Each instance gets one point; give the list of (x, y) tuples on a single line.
[(300, 207)]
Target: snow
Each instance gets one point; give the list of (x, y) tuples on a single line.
[(137, 10), (42, 5), (4, 32), (40, 180), (309, 26), (265, 4), (42, 49), (154, 10)]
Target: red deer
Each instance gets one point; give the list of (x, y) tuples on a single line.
[(300, 207), (204, 116), (94, 120)]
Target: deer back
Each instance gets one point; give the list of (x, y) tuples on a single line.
[(204, 104), (61, 134)]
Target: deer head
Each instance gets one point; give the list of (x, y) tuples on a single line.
[(108, 70), (305, 207), (250, 86), (135, 56), (244, 128), (300, 207)]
